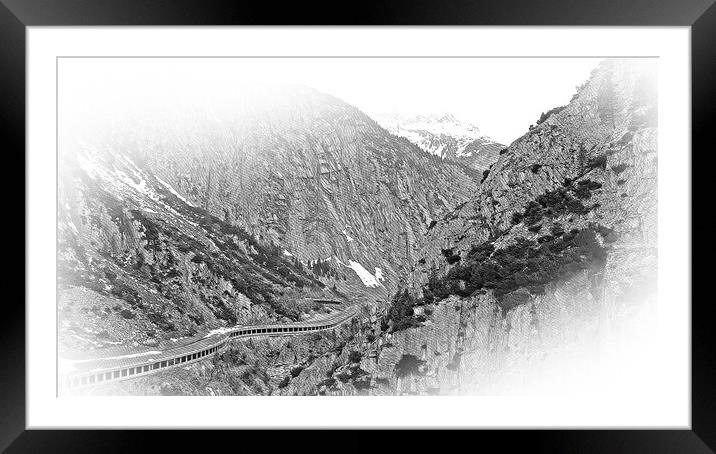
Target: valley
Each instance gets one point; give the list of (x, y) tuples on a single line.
[(355, 256)]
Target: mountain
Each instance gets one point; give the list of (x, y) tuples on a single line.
[(188, 222), (469, 281), (552, 259), (446, 137)]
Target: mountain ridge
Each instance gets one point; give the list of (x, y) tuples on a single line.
[(445, 136)]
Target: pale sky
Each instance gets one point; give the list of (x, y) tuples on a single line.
[(501, 96)]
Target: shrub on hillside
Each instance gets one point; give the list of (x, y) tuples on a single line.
[(453, 259), (557, 230), (598, 162), (535, 228), (585, 187), (354, 357), (533, 213), (408, 365), (126, 313), (401, 311), (125, 292), (619, 168), (549, 113), (557, 202), (524, 263), (545, 239)]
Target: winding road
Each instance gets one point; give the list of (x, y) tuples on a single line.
[(93, 371)]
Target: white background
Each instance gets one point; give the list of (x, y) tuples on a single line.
[(502, 96), (658, 381)]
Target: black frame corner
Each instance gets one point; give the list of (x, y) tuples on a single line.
[(16, 15)]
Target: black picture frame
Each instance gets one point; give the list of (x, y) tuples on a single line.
[(700, 15)]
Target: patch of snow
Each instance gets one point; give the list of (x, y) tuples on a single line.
[(285, 252), (348, 237), (438, 124), (368, 279), (222, 330), (171, 189), (116, 179), (379, 274), (129, 181), (424, 130), (134, 167), (140, 187), (93, 168), (73, 227)]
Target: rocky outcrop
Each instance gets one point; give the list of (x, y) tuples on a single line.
[(471, 346)]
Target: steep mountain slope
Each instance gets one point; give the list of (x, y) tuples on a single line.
[(139, 264), (310, 173), (180, 224), (550, 259), (445, 137), (606, 136)]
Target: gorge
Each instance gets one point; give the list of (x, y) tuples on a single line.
[(470, 265)]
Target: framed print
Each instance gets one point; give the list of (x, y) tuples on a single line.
[(233, 224)]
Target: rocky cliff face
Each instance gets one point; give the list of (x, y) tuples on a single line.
[(446, 137), (606, 135), (312, 174), (551, 256)]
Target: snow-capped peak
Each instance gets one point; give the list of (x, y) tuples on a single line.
[(441, 134)]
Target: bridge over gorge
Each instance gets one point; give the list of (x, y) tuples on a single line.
[(89, 372)]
